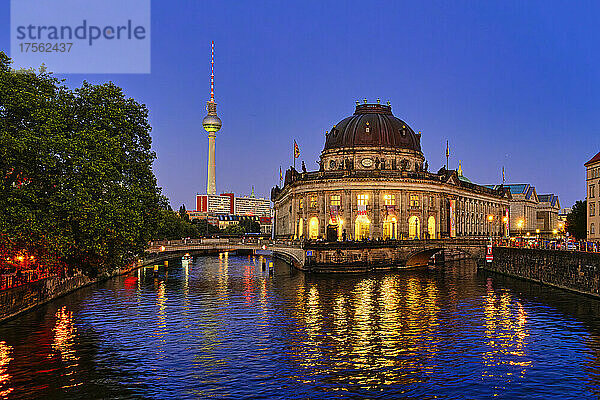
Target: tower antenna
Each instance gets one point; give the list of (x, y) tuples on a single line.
[(212, 71)]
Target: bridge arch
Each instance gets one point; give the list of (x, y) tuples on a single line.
[(421, 257)]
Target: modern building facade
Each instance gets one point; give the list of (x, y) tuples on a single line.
[(228, 203), (593, 197), (374, 183), (227, 209), (215, 204), (252, 206)]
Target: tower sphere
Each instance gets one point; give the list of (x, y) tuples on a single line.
[(211, 123)]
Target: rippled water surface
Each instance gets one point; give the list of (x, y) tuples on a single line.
[(221, 327)]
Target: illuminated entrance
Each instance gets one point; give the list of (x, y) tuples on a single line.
[(390, 227), (431, 227), (313, 228), (362, 227), (335, 229), (414, 227)]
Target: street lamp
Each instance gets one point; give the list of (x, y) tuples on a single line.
[(490, 219), (520, 224)]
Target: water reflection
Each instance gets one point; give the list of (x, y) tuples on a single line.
[(5, 359), (224, 327), (505, 357)]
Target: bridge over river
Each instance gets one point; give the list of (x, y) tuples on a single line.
[(329, 257)]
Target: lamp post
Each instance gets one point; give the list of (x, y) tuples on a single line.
[(520, 224), (490, 219)]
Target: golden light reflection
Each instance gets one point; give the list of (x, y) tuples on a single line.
[(5, 359), (506, 332), (384, 331), (161, 326), (313, 321), (223, 280), (64, 343)]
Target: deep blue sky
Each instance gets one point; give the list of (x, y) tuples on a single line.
[(508, 83)]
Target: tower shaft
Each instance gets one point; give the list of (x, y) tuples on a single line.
[(211, 183)]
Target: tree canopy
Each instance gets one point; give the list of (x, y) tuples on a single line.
[(577, 220), (76, 184)]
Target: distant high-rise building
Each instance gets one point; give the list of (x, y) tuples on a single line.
[(211, 123), (228, 204)]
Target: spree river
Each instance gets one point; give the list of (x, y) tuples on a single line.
[(221, 327)]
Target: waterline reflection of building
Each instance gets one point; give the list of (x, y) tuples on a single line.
[(397, 331), (506, 331), (64, 344), (5, 358)]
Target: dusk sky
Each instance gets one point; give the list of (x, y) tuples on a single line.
[(514, 84)]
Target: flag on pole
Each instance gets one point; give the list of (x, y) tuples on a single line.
[(503, 178), (296, 150), (280, 174), (447, 149)]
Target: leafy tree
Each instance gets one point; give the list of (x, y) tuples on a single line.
[(577, 220), (76, 180), (201, 226), (236, 229), (171, 226), (183, 213), (250, 226)]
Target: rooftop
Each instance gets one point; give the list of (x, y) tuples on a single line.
[(594, 159)]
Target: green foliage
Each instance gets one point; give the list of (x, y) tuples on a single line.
[(236, 229), (183, 213), (250, 226), (200, 225), (76, 180), (577, 220), (171, 226)]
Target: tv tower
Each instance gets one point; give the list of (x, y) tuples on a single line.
[(211, 123)]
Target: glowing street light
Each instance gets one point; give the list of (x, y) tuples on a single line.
[(490, 219), (520, 224)]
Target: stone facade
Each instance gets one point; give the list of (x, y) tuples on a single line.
[(593, 197), (374, 183), (570, 270)]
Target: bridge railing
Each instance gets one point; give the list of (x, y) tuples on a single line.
[(211, 244)]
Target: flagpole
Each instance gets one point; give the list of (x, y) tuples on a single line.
[(447, 154), (294, 154)]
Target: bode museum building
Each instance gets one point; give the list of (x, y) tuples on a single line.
[(373, 183)]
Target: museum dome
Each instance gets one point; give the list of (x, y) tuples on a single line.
[(372, 125)]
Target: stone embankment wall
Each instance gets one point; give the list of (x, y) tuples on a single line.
[(23, 298), (576, 271)]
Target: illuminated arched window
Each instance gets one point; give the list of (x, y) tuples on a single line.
[(313, 228), (362, 227), (414, 227), (431, 227)]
